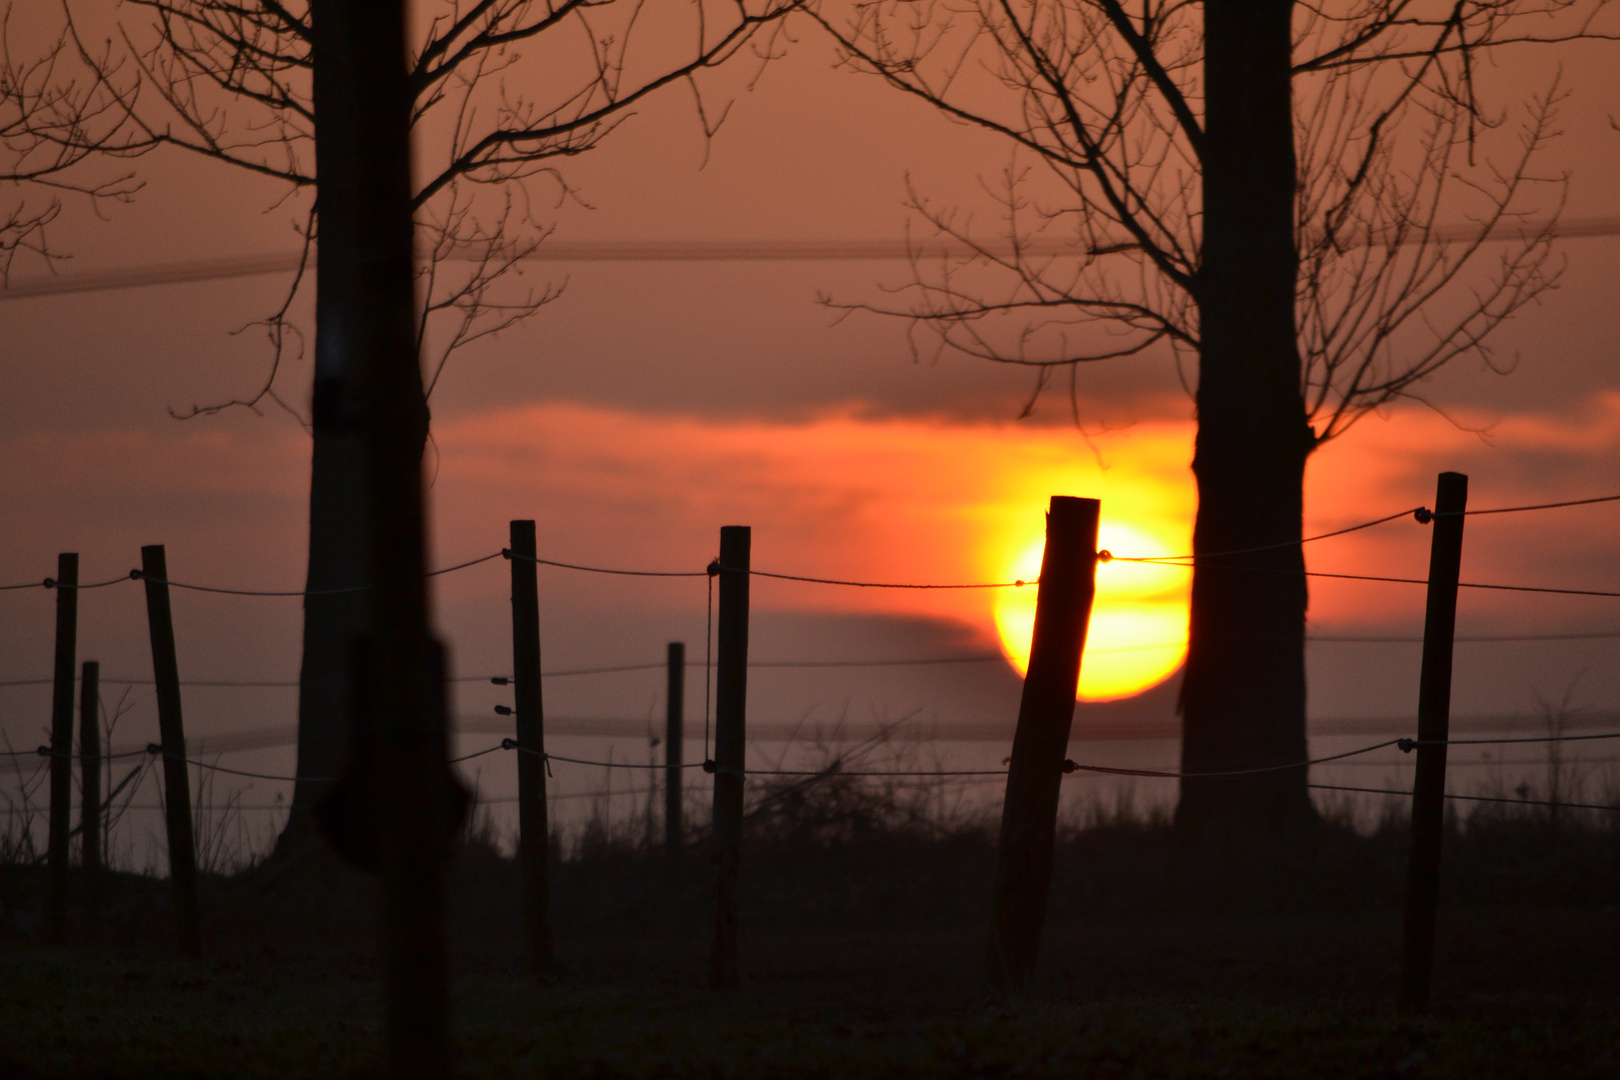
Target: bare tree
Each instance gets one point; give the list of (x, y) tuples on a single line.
[(503, 93), (37, 172), (1258, 186)]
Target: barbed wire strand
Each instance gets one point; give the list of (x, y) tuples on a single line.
[(1541, 506), (1074, 766), (1424, 581), (52, 583), (971, 658), (47, 752), (157, 751), (464, 565), (1503, 741), (1184, 560), (1467, 798), (638, 792), (1019, 584), (1421, 513), (139, 575), (510, 554)]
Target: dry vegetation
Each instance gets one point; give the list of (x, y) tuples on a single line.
[(865, 910)]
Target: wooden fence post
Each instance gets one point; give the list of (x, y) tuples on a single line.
[(533, 841), (730, 746), (90, 793), (172, 732), (67, 631), (674, 734), (1434, 728), (1029, 813)]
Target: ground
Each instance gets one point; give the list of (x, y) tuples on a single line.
[(861, 958)]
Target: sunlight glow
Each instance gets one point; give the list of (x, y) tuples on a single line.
[(1138, 631)]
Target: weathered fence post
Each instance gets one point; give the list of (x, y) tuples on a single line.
[(730, 745), (90, 793), (1434, 728), (67, 631), (172, 732), (1029, 813), (531, 765), (674, 733)]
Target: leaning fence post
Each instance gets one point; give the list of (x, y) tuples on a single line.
[(1434, 728), (90, 792), (531, 764), (172, 732), (674, 733), (67, 629), (1029, 812), (730, 745)]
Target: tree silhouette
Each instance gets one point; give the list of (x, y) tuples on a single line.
[(502, 93), (1260, 186), (37, 171)]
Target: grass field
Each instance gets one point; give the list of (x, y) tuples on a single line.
[(862, 932), (864, 920), (81, 1014)]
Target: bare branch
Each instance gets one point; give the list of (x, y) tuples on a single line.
[(506, 90), (1394, 138)]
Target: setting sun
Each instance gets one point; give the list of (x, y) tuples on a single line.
[(1138, 630)]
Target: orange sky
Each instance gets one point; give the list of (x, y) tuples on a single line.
[(654, 403)]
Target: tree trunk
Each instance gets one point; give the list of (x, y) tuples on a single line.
[(1243, 696), (337, 560), (362, 101)]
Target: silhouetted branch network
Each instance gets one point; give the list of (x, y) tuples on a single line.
[(506, 90), (37, 170), (1096, 251)]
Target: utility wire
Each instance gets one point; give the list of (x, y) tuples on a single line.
[(690, 251)]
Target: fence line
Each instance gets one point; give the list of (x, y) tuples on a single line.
[(138, 575), (971, 658), (1070, 766), (1421, 513)]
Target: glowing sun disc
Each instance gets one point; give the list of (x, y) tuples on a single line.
[(1138, 630)]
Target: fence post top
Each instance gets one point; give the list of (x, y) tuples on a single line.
[(1073, 505)]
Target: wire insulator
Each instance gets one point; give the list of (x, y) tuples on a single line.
[(508, 744), (503, 710), (500, 680), (1406, 746), (1423, 515), (709, 765)]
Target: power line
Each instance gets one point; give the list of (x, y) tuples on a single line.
[(693, 251)]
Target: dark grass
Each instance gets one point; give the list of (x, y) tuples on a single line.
[(864, 919)]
